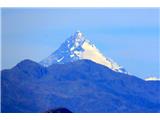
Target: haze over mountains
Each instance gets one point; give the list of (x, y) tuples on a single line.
[(80, 78)]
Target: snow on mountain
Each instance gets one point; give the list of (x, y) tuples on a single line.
[(77, 47), (151, 79)]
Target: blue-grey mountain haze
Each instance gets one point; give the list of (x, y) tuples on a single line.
[(128, 36)]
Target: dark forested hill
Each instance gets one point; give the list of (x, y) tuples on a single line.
[(81, 86)]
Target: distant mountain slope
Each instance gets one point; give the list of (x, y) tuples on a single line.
[(80, 86), (77, 47), (152, 79)]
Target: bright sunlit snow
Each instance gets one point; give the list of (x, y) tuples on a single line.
[(152, 78)]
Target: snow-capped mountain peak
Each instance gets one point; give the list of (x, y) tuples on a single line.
[(77, 47), (76, 40)]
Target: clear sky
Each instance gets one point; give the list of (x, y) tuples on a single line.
[(128, 36)]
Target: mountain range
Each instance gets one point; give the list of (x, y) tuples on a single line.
[(75, 78)]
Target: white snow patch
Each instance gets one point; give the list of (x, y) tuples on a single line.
[(72, 48), (79, 34), (151, 78), (60, 59), (72, 55), (92, 53)]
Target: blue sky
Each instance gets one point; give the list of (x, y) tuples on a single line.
[(130, 36)]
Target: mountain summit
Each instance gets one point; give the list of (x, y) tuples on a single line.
[(77, 47)]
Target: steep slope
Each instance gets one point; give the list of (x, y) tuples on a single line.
[(81, 86), (77, 47)]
